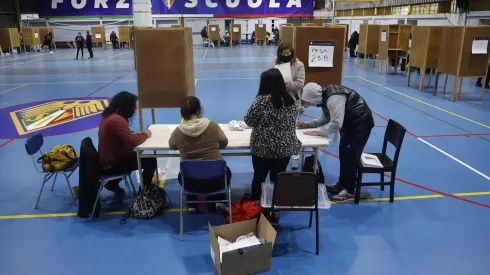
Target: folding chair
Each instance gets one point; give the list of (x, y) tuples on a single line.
[(33, 146), (201, 170), (394, 134), (104, 179), (297, 192)]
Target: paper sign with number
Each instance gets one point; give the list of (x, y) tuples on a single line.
[(320, 54)]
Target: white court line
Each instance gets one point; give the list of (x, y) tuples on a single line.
[(20, 63), (455, 159)]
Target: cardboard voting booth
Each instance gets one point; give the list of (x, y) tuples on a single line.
[(260, 34), (243, 261), (236, 34), (213, 34)]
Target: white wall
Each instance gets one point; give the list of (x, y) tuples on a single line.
[(196, 24)]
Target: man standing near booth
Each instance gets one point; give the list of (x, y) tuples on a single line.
[(79, 41), (88, 43), (346, 111)]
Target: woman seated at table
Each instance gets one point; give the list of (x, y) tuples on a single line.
[(273, 116), (117, 141), (198, 138)]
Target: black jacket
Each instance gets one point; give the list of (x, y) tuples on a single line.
[(88, 40), (354, 40), (88, 179), (79, 40), (204, 33), (358, 117)]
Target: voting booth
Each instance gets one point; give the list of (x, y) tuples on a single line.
[(236, 34), (287, 33), (464, 52), (31, 37), (124, 36), (260, 34), (165, 68), (98, 36), (368, 42), (393, 44), (213, 34), (424, 52), (43, 32), (9, 39)]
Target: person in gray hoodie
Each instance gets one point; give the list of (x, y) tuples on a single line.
[(198, 138)]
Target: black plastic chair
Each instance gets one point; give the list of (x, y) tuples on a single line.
[(394, 134), (297, 192)]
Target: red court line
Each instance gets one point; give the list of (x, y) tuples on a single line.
[(423, 187), (384, 118), (7, 142), (455, 135), (471, 103), (102, 87)]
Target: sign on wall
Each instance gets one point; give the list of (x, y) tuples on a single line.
[(236, 8), (320, 54)]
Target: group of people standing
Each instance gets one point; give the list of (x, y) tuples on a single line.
[(86, 41)]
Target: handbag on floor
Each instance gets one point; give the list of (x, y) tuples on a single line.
[(151, 202), (308, 167), (245, 209)]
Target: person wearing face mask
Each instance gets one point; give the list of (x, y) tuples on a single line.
[(346, 111), (285, 54)]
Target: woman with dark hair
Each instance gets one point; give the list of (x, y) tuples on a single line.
[(117, 141), (273, 116), (198, 138)]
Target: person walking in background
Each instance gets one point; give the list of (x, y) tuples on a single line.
[(204, 35), (79, 41), (88, 43), (353, 41), (48, 40), (487, 80), (114, 39)]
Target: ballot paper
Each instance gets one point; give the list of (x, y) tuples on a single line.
[(480, 45), (285, 70), (303, 136), (371, 161), (246, 241)]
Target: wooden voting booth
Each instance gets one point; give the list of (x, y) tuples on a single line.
[(424, 52), (44, 31), (124, 36), (393, 44), (236, 34), (260, 34), (31, 37), (98, 36), (281, 31), (346, 27), (9, 39), (213, 34), (464, 52), (287, 34), (165, 68), (368, 41)]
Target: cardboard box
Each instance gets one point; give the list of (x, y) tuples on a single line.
[(255, 260)]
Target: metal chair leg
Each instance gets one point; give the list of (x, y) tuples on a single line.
[(97, 199), (69, 187), (132, 185), (358, 188), (317, 233), (41, 191), (382, 181), (181, 213), (54, 181), (128, 187)]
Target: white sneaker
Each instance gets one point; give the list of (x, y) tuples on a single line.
[(343, 196), (51, 52)]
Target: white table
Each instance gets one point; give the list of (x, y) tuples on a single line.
[(237, 140)]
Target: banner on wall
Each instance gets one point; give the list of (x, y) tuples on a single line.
[(219, 8)]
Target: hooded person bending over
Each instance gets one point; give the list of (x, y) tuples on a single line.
[(346, 111)]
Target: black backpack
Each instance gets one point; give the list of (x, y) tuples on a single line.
[(150, 203), (308, 167)]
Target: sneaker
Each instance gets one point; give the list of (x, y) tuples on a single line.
[(343, 196), (334, 188), (295, 164), (51, 52)]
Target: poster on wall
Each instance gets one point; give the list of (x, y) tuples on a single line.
[(218, 8)]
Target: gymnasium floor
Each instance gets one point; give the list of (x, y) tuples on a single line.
[(437, 223)]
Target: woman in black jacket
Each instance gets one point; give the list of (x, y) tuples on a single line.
[(353, 41)]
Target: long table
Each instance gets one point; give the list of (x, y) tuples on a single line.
[(237, 140)]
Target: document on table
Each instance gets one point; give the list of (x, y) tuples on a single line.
[(303, 136), (285, 70)]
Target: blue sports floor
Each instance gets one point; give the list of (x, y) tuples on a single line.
[(439, 223)]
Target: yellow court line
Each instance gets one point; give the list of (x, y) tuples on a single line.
[(115, 56), (205, 53), (72, 214), (428, 104), (15, 88), (167, 167)]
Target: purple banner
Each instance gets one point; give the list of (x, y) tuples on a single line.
[(219, 8)]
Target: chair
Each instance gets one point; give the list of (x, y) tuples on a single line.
[(297, 192), (104, 179), (203, 169), (394, 134), (33, 146)]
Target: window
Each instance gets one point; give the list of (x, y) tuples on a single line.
[(399, 10)]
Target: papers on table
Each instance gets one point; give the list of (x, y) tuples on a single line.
[(371, 161), (285, 70), (302, 136), (480, 45)]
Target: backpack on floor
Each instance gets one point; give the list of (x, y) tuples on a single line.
[(308, 167), (245, 209), (150, 203), (58, 158)]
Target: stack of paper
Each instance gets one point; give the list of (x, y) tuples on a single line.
[(371, 161), (285, 70), (245, 242)]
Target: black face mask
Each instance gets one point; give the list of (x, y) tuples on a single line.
[(285, 58)]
